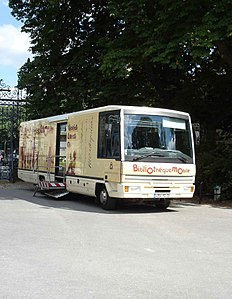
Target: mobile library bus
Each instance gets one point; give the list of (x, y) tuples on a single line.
[(136, 154)]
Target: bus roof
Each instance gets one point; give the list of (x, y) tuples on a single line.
[(128, 109)]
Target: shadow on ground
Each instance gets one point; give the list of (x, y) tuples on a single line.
[(24, 191)]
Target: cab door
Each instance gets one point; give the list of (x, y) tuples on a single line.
[(109, 144)]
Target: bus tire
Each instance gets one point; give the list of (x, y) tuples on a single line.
[(106, 202)]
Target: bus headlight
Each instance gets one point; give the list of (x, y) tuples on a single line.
[(135, 189), (132, 189), (189, 189)]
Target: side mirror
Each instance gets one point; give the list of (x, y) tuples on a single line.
[(196, 133)]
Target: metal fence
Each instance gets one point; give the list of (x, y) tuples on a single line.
[(12, 113)]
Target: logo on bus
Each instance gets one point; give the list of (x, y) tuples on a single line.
[(160, 170)]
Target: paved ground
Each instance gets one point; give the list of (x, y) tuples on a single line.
[(73, 249)]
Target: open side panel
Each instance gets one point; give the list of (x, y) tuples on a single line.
[(61, 144)]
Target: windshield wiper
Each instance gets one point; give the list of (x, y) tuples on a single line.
[(148, 155), (179, 155), (164, 154), (182, 159)]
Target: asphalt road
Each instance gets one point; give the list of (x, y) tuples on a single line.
[(73, 249)]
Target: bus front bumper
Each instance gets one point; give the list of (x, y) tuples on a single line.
[(145, 191)]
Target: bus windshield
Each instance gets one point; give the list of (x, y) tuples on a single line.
[(155, 138)]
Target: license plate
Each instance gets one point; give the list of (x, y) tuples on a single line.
[(161, 195)]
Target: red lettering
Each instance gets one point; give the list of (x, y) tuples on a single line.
[(180, 170), (135, 167), (149, 170)]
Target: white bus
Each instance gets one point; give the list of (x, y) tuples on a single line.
[(134, 154)]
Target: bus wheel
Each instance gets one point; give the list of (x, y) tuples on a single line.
[(106, 202), (163, 204)]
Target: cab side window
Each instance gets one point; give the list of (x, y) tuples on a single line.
[(109, 135)]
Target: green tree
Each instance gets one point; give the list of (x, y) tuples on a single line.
[(95, 52), (65, 74)]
